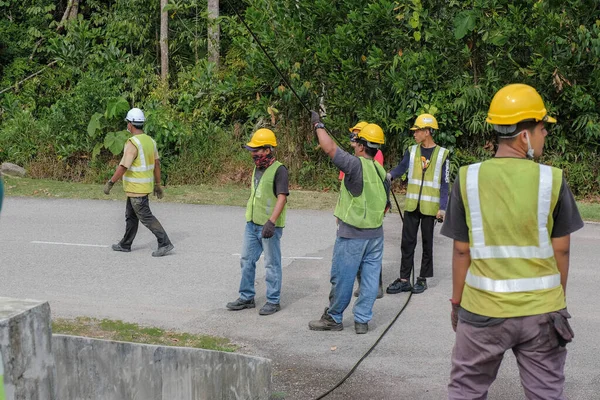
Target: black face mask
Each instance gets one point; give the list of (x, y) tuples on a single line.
[(264, 160)]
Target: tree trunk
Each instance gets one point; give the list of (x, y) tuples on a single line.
[(164, 42), (213, 31), (74, 10)]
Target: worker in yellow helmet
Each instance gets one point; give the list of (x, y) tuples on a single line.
[(354, 131), (265, 219), (140, 169), (511, 221), (427, 168), (359, 244)]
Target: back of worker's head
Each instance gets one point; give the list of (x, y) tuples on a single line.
[(371, 137), (517, 108), (136, 117)]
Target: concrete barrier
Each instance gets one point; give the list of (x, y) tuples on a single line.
[(39, 366), (25, 346), (100, 369)]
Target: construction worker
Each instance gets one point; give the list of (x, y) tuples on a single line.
[(265, 219), (359, 243), (511, 221), (140, 170), (379, 158), (426, 200)]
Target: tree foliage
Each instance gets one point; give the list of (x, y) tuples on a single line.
[(383, 61)]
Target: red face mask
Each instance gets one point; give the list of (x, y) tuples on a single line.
[(263, 161)]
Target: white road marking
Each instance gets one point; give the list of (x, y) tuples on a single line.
[(289, 258), (70, 244)]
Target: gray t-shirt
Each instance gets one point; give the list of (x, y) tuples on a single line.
[(566, 221), (353, 179)]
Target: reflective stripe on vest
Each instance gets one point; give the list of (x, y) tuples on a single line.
[(479, 250), (512, 285)]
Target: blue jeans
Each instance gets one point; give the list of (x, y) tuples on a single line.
[(348, 256), (254, 245)]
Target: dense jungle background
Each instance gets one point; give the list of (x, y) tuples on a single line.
[(70, 70)]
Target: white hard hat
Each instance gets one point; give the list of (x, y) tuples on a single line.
[(135, 116)]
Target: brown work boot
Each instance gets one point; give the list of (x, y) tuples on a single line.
[(326, 323)]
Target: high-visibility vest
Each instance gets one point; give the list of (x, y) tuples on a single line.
[(423, 189), (508, 207), (262, 198), (1, 378), (139, 178), (364, 211)]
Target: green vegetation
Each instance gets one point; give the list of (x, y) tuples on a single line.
[(128, 332), (384, 61)]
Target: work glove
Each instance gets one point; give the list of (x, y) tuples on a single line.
[(268, 229), (109, 185), (158, 192), (440, 215), (314, 118), (454, 314)]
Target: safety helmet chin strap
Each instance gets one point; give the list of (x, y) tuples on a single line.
[(529, 148)]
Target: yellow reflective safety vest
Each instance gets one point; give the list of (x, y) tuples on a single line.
[(262, 198), (364, 211), (508, 206), (423, 188), (139, 178)]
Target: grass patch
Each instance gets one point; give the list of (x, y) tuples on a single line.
[(589, 211), (227, 195), (128, 332)]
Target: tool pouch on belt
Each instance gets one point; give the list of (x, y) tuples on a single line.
[(562, 327)]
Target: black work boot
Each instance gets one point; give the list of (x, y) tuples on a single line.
[(269, 308), (326, 323), (420, 286), (161, 251), (118, 247), (361, 328), (240, 304), (399, 286)]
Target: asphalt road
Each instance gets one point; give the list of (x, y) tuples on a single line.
[(59, 251)]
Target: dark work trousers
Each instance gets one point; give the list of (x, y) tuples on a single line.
[(138, 209), (410, 228)]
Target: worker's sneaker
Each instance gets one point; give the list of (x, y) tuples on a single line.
[(420, 286), (361, 328), (399, 286), (326, 323), (269, 308), (161, 251), (240, 304), (118, 247)]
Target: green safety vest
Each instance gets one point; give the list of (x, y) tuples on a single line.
[(2, 395), (508, 206), (262, 199), (139, 178), (364, 211), (423, 190)]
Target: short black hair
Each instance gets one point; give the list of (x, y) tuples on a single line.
[(527, 125)]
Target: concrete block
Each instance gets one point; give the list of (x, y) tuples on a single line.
[(90, 369), (26, 347)]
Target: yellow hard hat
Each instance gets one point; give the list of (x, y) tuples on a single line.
[(515, 103), (425, 121), (262, 137), (358, 126), (373, 134)]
